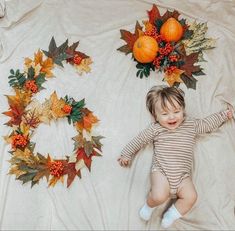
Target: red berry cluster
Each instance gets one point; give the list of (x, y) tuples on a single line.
[(166, 50), (56, 168), (19, 140), (67, 108), (77, 59), (173, 58), (31, 85)]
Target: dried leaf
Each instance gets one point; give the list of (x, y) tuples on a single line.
[(56, 106), (84, 66), (174, 77), (129, 38), (198, 42), (153, 14), (87, 122), (188, 65)]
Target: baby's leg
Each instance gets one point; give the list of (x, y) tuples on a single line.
[(160, 191), (187, 197)]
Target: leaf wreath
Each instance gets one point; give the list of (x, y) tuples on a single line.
[(26, 114)]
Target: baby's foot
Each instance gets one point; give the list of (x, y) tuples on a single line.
[(170, 216), (146, 212)]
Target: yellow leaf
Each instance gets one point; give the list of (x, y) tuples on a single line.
[(56, 106), (16, 171), (84, 66), (174, 77), (24, 128), (40, 65)]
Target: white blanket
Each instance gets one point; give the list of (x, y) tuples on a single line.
[(109, 197)]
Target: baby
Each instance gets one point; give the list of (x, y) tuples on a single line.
[(173, 136)]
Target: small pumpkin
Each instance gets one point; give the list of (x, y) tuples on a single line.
[(145, 49), (171, 30)]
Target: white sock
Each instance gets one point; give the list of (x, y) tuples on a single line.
[(146, 212), (170, 216)]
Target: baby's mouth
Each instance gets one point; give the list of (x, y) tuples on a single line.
[(172, 123)]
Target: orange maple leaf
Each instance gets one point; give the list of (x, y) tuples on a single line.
[(40, 65), (87, 122), (173, 77), (17, 105)]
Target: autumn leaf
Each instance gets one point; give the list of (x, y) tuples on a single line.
[(129, 38), (17, 105), (14, 170), (71, 52), (81, 154), (174, 77), (57, 54), (40, 65), (153, 14), (71, 171), (87, 121), (168, 14), (56, 106), (84, 66), (188, 65), (54, 180), (31, 118)]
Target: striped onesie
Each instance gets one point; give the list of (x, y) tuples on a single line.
[(173, 149)]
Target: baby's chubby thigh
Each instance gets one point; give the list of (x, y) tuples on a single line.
[(160, 188)]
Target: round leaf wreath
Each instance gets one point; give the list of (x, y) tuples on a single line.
[(175, 58), (26, 115)]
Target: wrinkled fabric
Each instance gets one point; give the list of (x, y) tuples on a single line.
[(109, 197)]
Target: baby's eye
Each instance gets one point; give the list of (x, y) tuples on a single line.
[(164, 113)]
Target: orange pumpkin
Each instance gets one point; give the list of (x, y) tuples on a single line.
[(171, 30), (145, 49)]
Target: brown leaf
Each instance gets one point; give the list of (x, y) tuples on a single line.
[(153, 14), (168, 14), (188, 65), (129, 38)]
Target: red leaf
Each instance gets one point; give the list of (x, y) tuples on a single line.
[(153, 14), (16, 112), (71, 171), (82, 155)]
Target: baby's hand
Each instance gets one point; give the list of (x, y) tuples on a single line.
[(230, 112), (124, 162)]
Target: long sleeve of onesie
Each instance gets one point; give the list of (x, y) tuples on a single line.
[(210, 123), (144, 137)]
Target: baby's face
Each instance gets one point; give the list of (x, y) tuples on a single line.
[(170, 117)]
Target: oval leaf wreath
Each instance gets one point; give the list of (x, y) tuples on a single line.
[(26, 115), (169, 45)]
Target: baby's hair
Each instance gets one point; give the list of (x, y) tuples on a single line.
[(165, 94)]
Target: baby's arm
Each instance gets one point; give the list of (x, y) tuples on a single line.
[(144, 137), (213, 121)]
